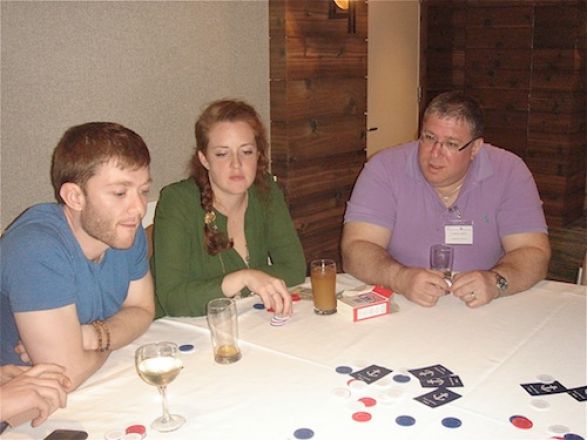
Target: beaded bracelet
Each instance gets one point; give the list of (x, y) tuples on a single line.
[(107, 332), (97, 328), (102, 328)]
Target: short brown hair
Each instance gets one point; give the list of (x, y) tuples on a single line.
[(84, 147), (457, 104), (225, 110)]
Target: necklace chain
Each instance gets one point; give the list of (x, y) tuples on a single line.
[(445, 197)]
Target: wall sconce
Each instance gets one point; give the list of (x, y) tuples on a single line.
[(344, 9)]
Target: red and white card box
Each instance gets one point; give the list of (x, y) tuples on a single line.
[(366, 302)]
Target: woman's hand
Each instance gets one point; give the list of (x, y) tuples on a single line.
[(273, 291)]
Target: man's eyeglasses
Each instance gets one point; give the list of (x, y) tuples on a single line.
[(449, 146)]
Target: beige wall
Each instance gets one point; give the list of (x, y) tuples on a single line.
[(393, 72), (148, 65)]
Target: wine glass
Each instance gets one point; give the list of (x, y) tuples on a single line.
[(441, 259), (158, 364)]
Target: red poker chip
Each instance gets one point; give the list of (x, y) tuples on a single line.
[(295, 297), (368, 401), (521, 422), (137, 429), (361, 416)]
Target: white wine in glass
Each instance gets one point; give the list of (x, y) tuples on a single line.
[(159, 364)]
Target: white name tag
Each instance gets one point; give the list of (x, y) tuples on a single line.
[(458, 234)]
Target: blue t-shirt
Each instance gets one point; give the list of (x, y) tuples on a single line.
[(43, 267)]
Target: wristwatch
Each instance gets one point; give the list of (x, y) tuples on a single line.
[(501, 283)]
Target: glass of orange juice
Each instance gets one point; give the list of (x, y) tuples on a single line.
[(323, 278)]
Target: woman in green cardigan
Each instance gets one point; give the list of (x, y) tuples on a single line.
[(226, 230)]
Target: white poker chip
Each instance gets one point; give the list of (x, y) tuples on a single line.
[(383, 383), (132, 436), (357, 384), (545, 378), (279, 320), (341, 393), (540, 404), (558, 429), (390, 396), (114, 435)]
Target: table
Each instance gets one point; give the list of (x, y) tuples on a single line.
[(286, 379)]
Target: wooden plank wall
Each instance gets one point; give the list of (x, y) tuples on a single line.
[(525, 63), (318, 95)]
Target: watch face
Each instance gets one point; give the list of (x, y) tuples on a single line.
[(502, 283)]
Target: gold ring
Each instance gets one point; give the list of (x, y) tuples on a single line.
[(473, 296)]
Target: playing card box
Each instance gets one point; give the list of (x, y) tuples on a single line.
[(361, 305)]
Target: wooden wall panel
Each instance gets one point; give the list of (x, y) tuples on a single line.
[(525, 63), (318, 115)]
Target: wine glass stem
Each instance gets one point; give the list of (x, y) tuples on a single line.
[(166, 417)]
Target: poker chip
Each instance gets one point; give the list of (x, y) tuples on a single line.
[(540, 404), (259, 306), (343, 369), (184, 348), (383, 383), (391, 394), (303, 433), (451, 422), (356, 384), (279, 320), (521, 422), (545, 378), (295, 297), (114, 435), (137, 429), (571, 436), (368, 401), (132, 436), (558, 429), (361, 416), (405, 420), (341, 393), (401, 378)]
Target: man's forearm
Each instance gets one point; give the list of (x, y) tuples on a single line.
[(371, 264), (118, 330), (523, 267)]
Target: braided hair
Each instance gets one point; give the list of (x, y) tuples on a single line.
[(224, 111)]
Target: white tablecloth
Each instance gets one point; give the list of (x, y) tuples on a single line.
[(287, 380)]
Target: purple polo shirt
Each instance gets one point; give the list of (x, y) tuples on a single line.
[(499, 197)]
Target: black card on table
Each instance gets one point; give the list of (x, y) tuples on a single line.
[(540, 388), (579, 393), (431, 372), (371, 373), (438, 397)]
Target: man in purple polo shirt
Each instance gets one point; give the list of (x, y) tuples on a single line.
[(447, 188)]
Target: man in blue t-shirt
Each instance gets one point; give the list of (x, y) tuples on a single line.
[(75, 281)]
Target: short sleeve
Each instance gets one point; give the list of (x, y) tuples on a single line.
[(38, 273), (373, 199)]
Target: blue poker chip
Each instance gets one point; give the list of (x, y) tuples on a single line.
[(451, 422), (343, 369), (571, 436), (187, 348), (401, 378), (303, 433), (405, 420), (259, 306)]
